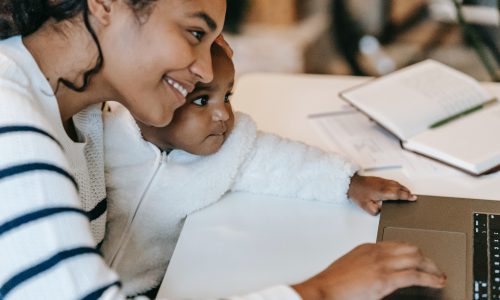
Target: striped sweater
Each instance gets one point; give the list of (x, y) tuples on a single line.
[(52, 193)]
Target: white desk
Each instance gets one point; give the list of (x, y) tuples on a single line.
[(247, 242)]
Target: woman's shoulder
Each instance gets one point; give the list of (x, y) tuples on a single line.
[(18, 105), (17, 70), (13, 61)]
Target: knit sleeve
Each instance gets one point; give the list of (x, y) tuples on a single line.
[(286, 168), (46, 248)]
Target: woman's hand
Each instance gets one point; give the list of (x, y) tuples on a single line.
[(371, 272), (369, 192)]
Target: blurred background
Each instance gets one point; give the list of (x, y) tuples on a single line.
[(364, 37)]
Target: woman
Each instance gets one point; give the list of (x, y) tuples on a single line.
[(59, 61)]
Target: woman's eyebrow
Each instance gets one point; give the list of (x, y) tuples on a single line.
[(205, 17)]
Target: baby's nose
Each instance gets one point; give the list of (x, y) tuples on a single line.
[(221, 113)]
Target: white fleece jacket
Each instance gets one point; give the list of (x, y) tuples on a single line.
[(151, 194)]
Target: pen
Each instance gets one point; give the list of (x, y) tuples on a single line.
[(463, 113)]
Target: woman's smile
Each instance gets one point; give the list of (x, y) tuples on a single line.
[(180, 90)]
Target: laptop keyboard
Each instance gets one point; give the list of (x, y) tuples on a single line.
[(486, 256)]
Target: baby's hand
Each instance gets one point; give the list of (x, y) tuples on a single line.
[(369, 192)]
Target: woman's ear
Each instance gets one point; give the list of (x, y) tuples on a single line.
[(101, 10)]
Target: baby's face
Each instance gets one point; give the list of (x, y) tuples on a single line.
[(204, 122)]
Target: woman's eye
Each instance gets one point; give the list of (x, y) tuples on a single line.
[(227, 98), (198, 34), (202, 101)]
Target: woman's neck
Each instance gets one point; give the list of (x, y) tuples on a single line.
[(66, 50)]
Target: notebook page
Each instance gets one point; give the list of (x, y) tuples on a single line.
[(360, 139), (410, 100), (471, 142)]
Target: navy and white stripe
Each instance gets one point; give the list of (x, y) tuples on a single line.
[(27, 129), (36, 215), (36, 166), (35, 270), (27, 167), (98, 210), (100, 291), (95, 213)]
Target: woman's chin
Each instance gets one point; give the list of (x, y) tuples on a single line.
[(157, 120), (161, 122)]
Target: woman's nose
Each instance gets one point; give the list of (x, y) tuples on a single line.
[(202, 67)]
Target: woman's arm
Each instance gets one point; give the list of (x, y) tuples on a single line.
[(371, 272), (46, 248)]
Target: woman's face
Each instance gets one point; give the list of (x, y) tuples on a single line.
[(152, 63)]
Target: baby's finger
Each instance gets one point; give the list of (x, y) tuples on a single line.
[(396, 194), (371, 207), (405, 194), (396, 184), (404, 188)]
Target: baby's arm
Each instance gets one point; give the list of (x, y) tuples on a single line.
[(281, 167), (277, 166)]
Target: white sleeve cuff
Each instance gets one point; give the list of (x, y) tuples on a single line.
[(280, 292)]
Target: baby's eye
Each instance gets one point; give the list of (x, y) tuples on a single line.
[(227, 98), (198, 34), (202, 101)]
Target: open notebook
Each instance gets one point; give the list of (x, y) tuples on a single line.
[(435, 111)]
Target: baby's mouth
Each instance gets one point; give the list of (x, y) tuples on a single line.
[(221, 130), (218, 133)]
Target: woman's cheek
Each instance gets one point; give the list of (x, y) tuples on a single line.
[(180, 53)]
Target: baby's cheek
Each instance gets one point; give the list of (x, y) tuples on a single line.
[(230, 124)]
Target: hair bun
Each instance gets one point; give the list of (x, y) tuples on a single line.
[(22, 16)]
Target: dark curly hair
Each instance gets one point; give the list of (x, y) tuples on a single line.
[(23, 17)]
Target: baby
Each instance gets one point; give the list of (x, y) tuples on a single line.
[(206, 151)]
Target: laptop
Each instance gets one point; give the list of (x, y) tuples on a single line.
[(461, 235)]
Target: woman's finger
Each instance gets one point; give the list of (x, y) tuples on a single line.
[(394, 248), (408, 278), (428, 266), (414, 261)]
